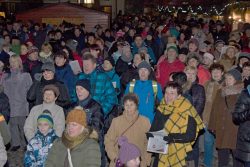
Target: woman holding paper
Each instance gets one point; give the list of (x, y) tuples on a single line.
[(131, 125), (179, 119)]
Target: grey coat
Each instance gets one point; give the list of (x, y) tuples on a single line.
[(16, 86), (3, 153)]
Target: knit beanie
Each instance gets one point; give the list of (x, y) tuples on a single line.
[(209, 55), (111, 60), (193, 55), (49, 66), (172, 47), (235, 73), (219, 42), (144, 64), (244, 55), (52, 87), (46, 117), (127, 150), (32, 49), (77, 115), (84, 83)]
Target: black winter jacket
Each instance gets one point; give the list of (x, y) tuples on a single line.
[(35, 94), (197, 92), (241, 117), (122, 66), (95, 116), (32, 67)]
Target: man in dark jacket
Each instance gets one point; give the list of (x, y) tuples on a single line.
[(95, 116), (35, 95), (241, 117)]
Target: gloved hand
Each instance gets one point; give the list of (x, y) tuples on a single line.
[(167, 139), (149, 135)]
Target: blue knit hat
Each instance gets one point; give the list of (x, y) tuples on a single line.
[(235, 73), (46, 117)]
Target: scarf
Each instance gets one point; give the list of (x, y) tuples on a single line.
[(232, 90), (72, 142), (126, 58), (84, 102), (179, 111)]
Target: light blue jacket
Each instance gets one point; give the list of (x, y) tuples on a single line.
[(145, 92)]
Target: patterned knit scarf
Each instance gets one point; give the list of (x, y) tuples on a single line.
[(72, 142), (179, 111)]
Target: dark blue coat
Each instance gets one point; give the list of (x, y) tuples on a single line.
[(65, 74)]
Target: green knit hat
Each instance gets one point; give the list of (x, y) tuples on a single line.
[(173, 47), (46, 117)]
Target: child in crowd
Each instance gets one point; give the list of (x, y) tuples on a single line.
[(39, 146), (129, 154)]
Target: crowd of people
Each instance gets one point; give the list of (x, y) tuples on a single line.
[(69, 97)]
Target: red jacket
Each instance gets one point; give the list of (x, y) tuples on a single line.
[(164, 69), (78, 58), (203, 75)]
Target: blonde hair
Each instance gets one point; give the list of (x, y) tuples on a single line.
[(18, 59), (46, 45), (99, 39)]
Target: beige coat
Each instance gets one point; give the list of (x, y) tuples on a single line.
[(136, 135), (211, 88)]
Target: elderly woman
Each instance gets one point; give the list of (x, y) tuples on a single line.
[(78, 146), (221, 123), (178, 117), (131, 125)]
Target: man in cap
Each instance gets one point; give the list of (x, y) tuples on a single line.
[(50, 95), (35, 95), (95, 116), (148, 91)]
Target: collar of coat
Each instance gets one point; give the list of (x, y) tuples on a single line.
[(232, 90)]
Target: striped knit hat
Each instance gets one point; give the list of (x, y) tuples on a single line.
[(46, 117)]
